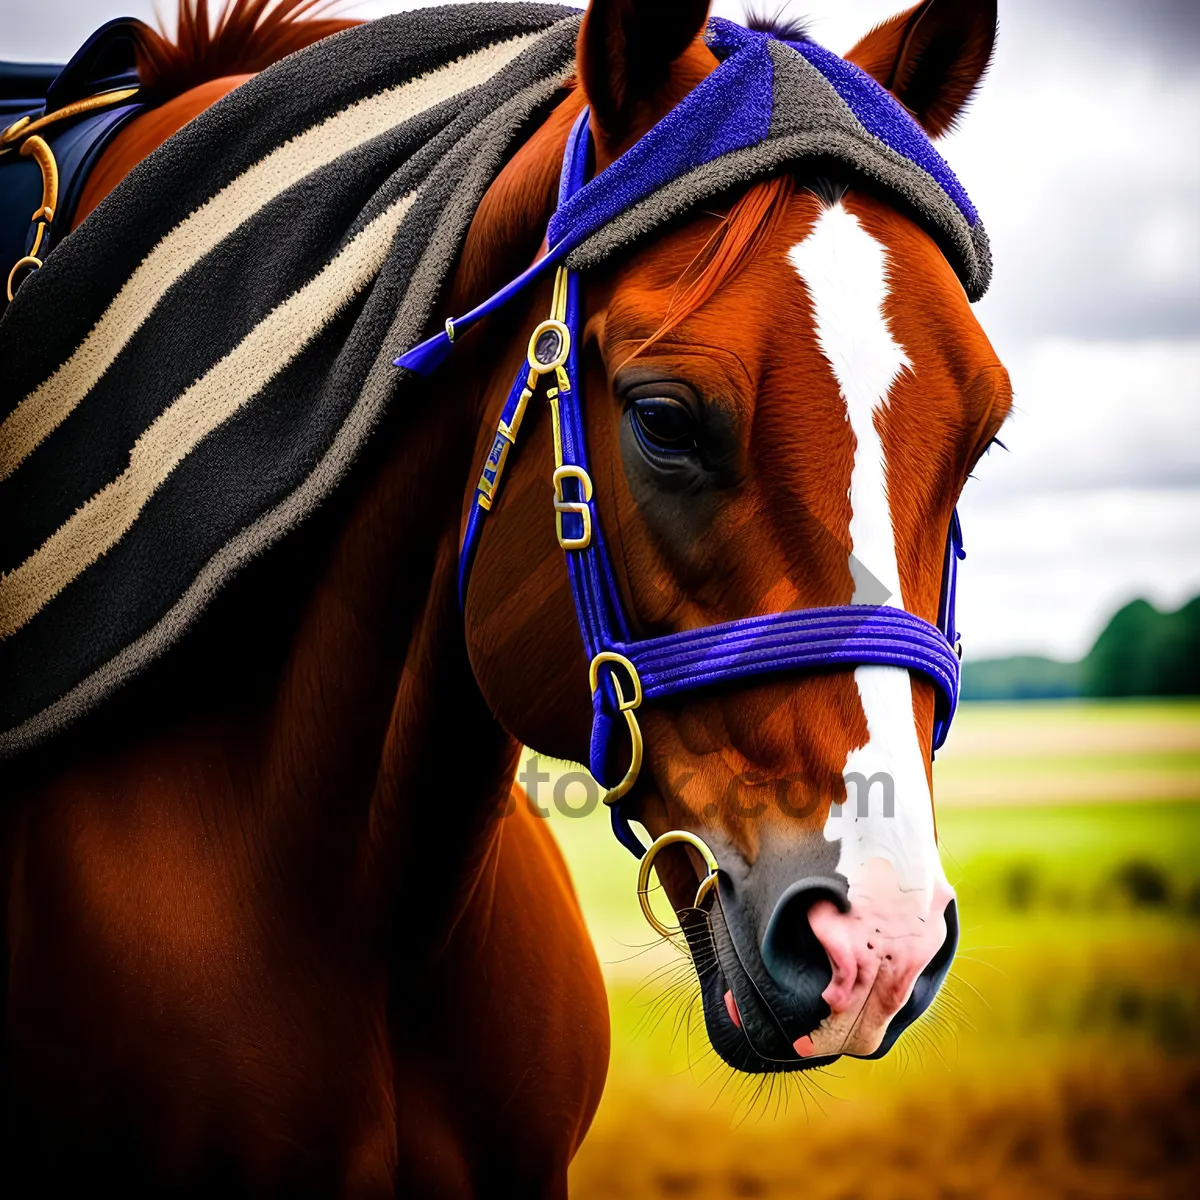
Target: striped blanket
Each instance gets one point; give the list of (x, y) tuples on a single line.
[(197, 366)]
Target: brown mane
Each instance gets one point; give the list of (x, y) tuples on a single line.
[(246, 36)]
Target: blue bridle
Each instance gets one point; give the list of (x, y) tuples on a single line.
[(626, 672)]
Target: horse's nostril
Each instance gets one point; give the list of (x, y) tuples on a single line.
[(790, 950)]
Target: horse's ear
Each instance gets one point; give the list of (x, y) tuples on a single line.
[(625, 52), (932, 57)]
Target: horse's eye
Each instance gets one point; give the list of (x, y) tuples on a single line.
[(664, 424)]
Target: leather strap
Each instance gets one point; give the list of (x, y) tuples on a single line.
[(53, 137), (625, 672)]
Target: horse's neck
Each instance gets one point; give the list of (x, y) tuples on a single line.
[(327, 705), (445, 762), (372, 706), (377, 711)]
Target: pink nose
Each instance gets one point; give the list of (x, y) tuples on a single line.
[(877, 950)]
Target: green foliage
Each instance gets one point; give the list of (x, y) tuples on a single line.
[(1143, 652), (1040, 862), (1144, 884)]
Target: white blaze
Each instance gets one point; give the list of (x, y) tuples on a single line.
[(845, 271)]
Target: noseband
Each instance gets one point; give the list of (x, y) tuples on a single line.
[(626, 672)]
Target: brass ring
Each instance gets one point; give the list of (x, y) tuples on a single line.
[(564, 347), (643, 886), (625, 706), (27, 261)]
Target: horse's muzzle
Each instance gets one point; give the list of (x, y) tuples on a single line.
[(825, 973)]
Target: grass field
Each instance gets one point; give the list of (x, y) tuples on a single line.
[(1063, 1058)]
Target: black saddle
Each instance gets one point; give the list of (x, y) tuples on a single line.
[(55, 122)]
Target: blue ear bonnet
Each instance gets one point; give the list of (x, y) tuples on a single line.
[(769, 104), (882, 116)]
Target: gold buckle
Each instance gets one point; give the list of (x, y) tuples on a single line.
[(578, 507), (643, 884), (625, 706), (549, 345), (36, 148), (24, 130)]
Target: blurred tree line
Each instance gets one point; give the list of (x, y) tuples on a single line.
[(1142, 652)]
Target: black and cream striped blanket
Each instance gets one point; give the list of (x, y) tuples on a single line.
[(198, 365)]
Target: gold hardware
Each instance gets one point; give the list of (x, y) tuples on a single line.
[(511, 429), (708, 883), (611, 656), (557, 322), (450, 328), (549, 345), (37, 149), (676, 836), (489, 480), (11, 134), (625, 706), (569, 471), (556, 429), (27, 261), (578, 507), (558, 305), (24, 130), (505, 439), (25, 126)]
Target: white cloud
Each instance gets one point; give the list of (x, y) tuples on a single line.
[(1081, 159), (1165, 246), (1096, 502), (1100, 414), (1045, 572)]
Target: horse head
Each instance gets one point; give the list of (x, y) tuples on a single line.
[(784, 392)]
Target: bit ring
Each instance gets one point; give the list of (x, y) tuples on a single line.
[(707, 884)]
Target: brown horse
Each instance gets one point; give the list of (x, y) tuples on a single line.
[(265, 934)]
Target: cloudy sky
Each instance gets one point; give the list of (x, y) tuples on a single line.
[(1081, 154)]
